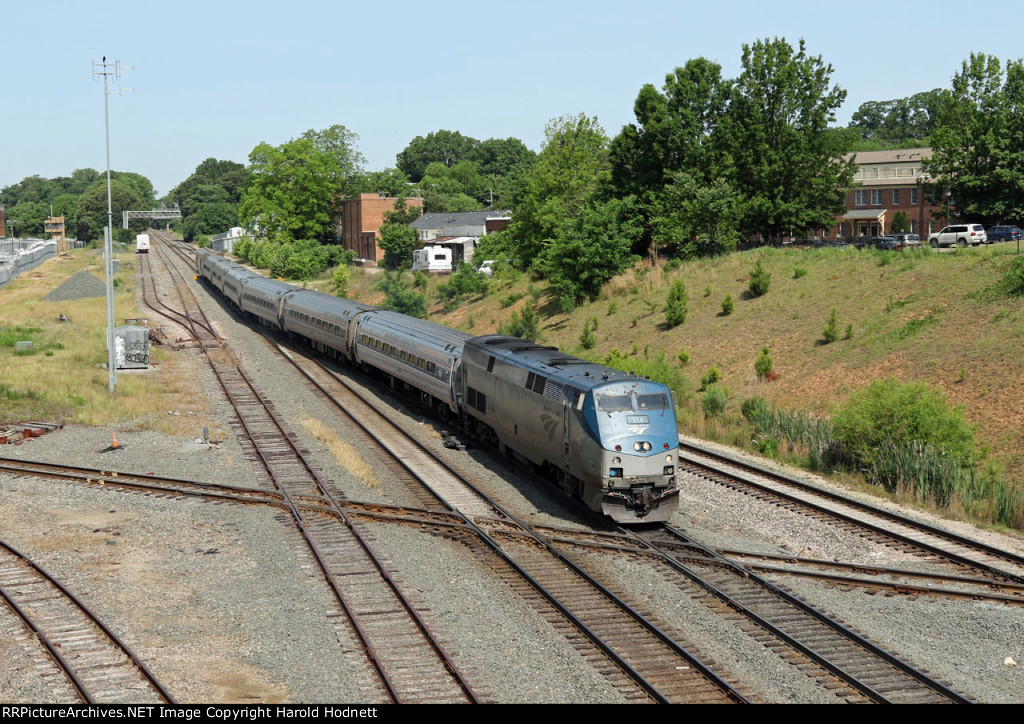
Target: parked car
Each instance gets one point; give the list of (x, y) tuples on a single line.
[(1004, 233), (831, 244), (885, 243), (909, 240), (487, 267), (959, 235)]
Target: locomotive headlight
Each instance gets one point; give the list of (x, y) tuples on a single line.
[(616, 461), (638, 446), (668, 458), (647, 447)]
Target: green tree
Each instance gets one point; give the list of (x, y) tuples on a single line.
[(786, 164), (444, 147), (831, 331), (675, 131), (899, 222), (727, 305), (548, 196), (763, 365), (976, 145), (92, 207), (401, 297), (398, 242), (588, 339), (676, 305), (760, 279), (296, 187), (591, 250), (693, 220)]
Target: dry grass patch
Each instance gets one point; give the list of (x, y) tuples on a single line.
[(345, 455)]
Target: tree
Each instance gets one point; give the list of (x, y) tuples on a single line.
[(694, 220), (976, 145), (92, 207), (398, 242), (760, 279), (763, 364), (590, 251), (294, 192), (501, 156), (786, 165), (676, 305), (831, 331), (898, 123), (445, 147), (570, 168), (675, 131), (899, 222)]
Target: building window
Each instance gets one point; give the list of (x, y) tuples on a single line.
[(895, 197), (913, 196), (861, 197), (913, 227), (876, 197)]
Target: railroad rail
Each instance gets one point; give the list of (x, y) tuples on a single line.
[(885, 525), (99, 667)]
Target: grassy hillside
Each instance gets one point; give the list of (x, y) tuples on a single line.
[(914, 316)]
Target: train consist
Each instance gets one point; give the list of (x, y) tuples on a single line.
[(609, 438)]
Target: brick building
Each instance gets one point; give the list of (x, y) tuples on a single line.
[(361, 219), (888, 182)]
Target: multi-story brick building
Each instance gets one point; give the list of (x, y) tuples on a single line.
[(361, 219), (888, 182)]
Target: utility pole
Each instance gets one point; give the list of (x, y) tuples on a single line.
[(106, 71)]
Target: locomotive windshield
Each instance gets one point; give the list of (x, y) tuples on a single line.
[(625, 403)]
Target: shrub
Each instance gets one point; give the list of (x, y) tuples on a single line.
[(339, 280), (683, 357), (727, 305), (760, 279), (710, 377), (612, 308), (675, 307), (713, 402), (763, 364), (799, 272), (1013, 278), (754, 409), (849, 331), (587, 339), (831, 331), (401, 298), (888, 412), (523, 325)]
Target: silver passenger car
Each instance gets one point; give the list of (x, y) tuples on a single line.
[(422, 354), (328, 322), (263, 298)]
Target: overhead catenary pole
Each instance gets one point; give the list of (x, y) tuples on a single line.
[(107, 70)]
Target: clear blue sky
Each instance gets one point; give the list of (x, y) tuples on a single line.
[(213, 78)]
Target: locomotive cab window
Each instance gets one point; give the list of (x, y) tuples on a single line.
[(652, 402), (615, 403)]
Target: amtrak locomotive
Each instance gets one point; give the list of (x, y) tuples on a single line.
[(609, 438)]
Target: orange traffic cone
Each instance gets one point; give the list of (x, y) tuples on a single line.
[(115, 441)]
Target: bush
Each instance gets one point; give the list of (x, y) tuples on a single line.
[(588, 339), (676, 306), (888, 411), (711, 377), (799, 272), (713, 402), (831, 332), (763, 364), (760, 280), (727, 305), (400, 297), (754, 409), (523, 325), (1013, 278), (683, 357)]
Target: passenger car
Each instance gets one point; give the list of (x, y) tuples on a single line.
[(885, 243), (1004, 233), (959, 235)]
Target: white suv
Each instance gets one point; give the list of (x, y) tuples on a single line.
[(960, 235)]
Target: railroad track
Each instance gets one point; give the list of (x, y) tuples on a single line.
[(410, 664), (97, 667), (887, 527)]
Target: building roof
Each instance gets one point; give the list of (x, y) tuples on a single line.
[(892, 155), (458, 218)]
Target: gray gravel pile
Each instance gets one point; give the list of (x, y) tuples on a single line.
[(80, 285)]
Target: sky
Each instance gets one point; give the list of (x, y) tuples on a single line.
[(214, 79)]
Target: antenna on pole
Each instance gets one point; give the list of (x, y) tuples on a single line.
[(106, 70)]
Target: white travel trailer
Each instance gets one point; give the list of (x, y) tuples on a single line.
[(433, 259)]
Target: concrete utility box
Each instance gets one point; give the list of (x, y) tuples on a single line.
[(23, 346), (131, 348)]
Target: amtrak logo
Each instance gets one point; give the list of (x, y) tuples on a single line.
[(550, 425)]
